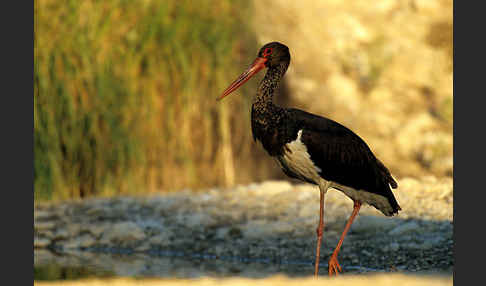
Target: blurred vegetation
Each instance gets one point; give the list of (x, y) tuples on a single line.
[(124, 95)]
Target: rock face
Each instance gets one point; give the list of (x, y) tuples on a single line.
[(272, 221)]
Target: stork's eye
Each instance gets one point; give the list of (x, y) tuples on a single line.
[(267, 52)]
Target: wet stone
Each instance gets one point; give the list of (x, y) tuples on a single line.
[(82, 241), (404, 228), (41, 242), (42, 226), (123, 233)]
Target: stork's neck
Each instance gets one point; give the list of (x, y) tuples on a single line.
[(268, 86)]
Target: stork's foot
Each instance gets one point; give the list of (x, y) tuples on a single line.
[(334, 267)]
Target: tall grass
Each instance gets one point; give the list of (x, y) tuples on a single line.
[(124, 95)]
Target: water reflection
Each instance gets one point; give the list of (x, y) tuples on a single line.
[(81, 264), (164, 264), (56, 271)]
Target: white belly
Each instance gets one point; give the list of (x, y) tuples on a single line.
[(296, 159)]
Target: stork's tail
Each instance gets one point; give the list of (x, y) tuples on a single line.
[(389, 182)]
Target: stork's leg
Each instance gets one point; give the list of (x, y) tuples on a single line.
[(334, 266), (320, 228)]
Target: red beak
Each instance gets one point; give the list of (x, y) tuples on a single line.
[(257, 65)]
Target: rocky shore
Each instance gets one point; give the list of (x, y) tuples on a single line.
[(252, 230)]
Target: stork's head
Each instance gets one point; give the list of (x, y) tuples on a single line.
[(269, 56)]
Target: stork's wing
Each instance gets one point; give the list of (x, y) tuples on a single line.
[(342, 155)]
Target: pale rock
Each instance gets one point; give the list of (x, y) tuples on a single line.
[(218, 250), (123, 232), (84, 240), (197, 220), (160, 204), (256, 229), (306, 192), (417, 246), (274, 187), (41, 242), (222, 232), (48, 233), (42, 226), (404, 228), (373, 223), (60, 234), (73, 228), (144, 246), (281, 227), (95, 211), (240, 188), (366, 252), (41, 214), (392, 247), (97, 229), (263, 228), (162, 239)]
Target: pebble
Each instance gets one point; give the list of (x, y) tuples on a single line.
[(41, 242), (41, 214), (84, 241), (60, 234), (373, 223), (98, 229), (123, 232), (196, 220), (394, 246), (162, 239), (271, 188), (42, 226), (256, 229), (404, 228), (366, 252), (143, 247)]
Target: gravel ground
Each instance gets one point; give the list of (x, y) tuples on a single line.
[(249, 231)]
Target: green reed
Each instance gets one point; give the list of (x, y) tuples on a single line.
[(124, 96)]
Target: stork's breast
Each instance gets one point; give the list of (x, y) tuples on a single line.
[(297, 159)]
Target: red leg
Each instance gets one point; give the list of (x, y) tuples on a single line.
[(334, 266), (319, 232)]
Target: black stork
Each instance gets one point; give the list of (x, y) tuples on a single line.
[(315, 149)]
